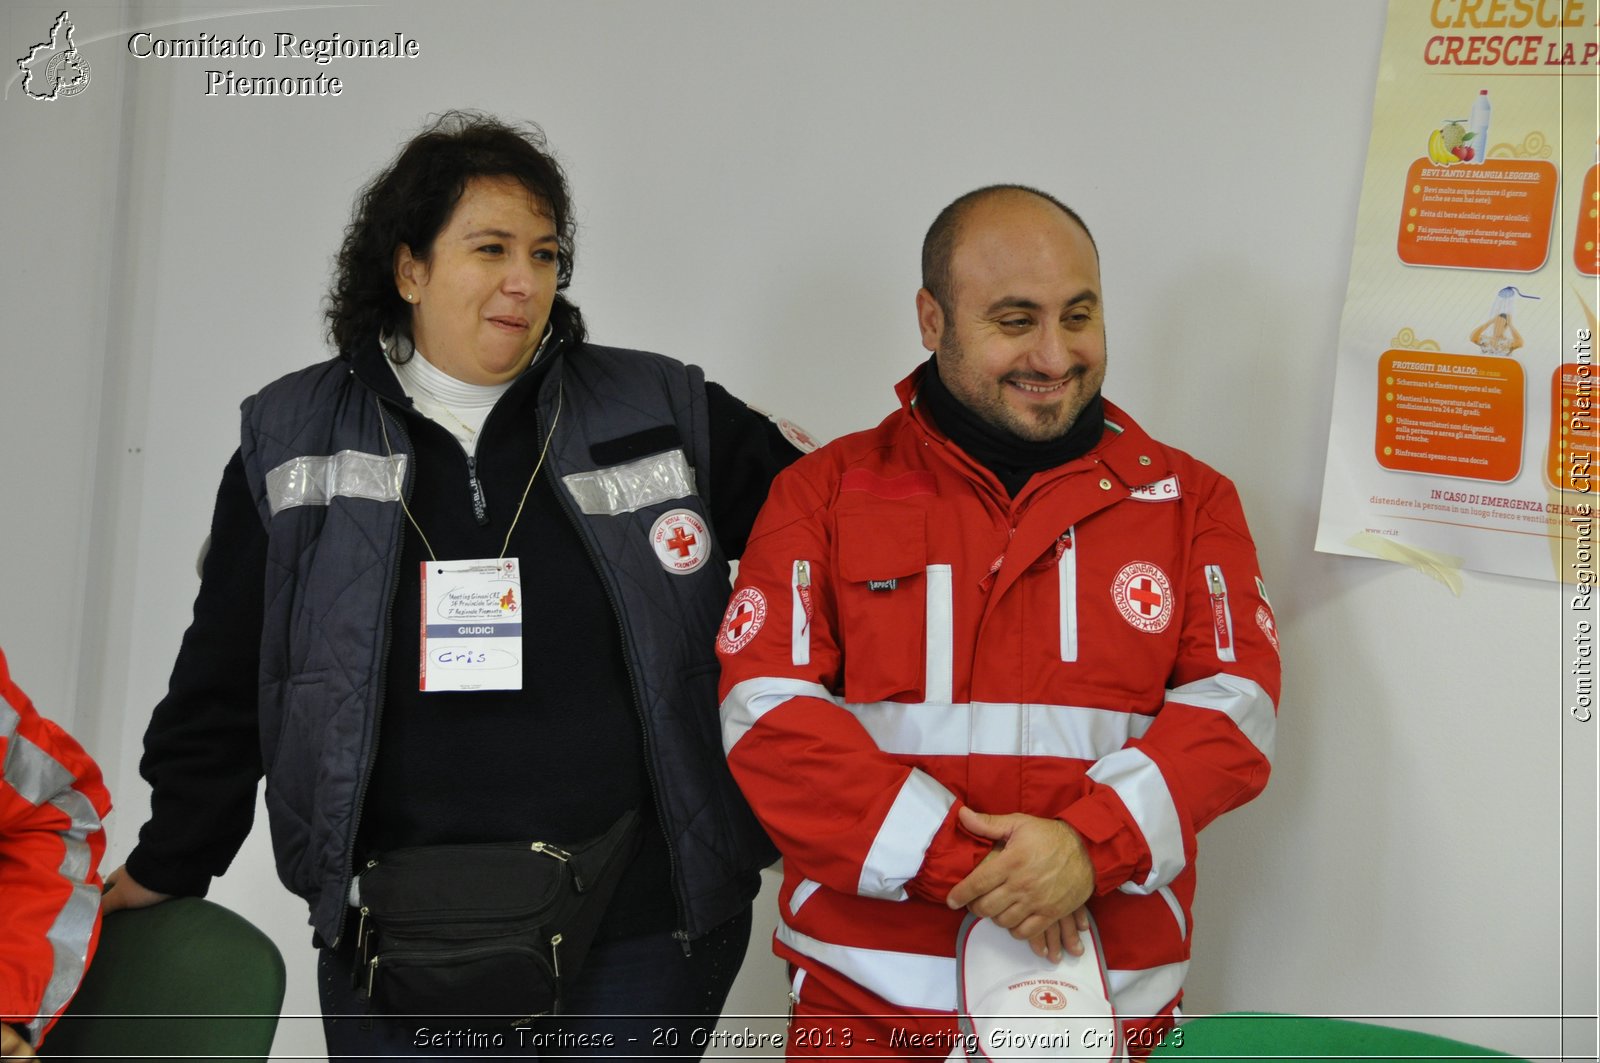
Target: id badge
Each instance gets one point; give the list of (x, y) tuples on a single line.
[(471, 625)]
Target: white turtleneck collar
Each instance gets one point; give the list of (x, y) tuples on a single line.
[(457, 406)]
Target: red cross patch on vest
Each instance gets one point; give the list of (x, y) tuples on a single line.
[(681, 541)]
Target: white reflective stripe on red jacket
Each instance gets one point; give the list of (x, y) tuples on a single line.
[(939, 684), (901, 843), (35, 776), (1074, 731), (754, 698), (916, 980), (1242, 700), (927, 729), (802, 893), (1143, 790), (1067, 588)]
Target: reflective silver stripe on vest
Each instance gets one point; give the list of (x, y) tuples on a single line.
[(915, 980), (317, 479), (619, 489), (39, 778)]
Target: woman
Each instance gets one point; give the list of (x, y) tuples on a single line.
[(467, 421)]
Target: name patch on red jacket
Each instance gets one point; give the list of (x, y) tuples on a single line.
[(1144, 596), (1160, 491)]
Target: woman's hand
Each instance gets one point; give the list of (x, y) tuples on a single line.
[(123, 891)]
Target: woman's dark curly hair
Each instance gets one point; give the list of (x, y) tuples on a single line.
[(412, 200)]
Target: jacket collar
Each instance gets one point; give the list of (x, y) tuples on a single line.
[(370, 365), (1125, 448)]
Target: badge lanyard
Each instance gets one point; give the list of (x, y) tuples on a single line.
[(471, 637)]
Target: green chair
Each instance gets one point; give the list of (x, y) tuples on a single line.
[(186, 979), (1263, 1038)]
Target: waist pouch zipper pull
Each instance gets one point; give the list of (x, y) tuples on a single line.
[(566, 858), (362, 941)]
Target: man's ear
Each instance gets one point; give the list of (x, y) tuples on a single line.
[(930, 319)]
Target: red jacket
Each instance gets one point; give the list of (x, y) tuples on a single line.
[(904, 638), (51, 806)]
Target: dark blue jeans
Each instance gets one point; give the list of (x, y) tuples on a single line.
[(636, 998)]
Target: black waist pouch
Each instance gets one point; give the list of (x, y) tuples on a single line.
[(491, 930)]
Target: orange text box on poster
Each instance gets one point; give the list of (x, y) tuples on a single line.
[(1574, 439), (1495, 216), (1450, 414), (1586, 245)]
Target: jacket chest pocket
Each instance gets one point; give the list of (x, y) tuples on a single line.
[(894, 609)]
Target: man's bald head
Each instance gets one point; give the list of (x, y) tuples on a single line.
[(938, 247)]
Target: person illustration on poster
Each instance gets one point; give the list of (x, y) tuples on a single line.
[(1498, 336)]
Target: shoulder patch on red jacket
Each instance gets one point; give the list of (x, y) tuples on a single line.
[(1269, 626), (747, 611)]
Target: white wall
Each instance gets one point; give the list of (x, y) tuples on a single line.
[(753, 183)]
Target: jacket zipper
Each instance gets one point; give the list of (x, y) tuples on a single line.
[(1221, 620), (800, 624), (480, 504), (682, 933), (480, 512), (382, 683)]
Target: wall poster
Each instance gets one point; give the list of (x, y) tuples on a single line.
[(1464, 407)]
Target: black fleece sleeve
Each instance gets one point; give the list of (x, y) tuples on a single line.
[(747, 451), (202, 750)]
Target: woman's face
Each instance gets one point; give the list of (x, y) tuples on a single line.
[(480, 302)]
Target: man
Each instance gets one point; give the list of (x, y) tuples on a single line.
[(1003, 653), (52, 803)]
